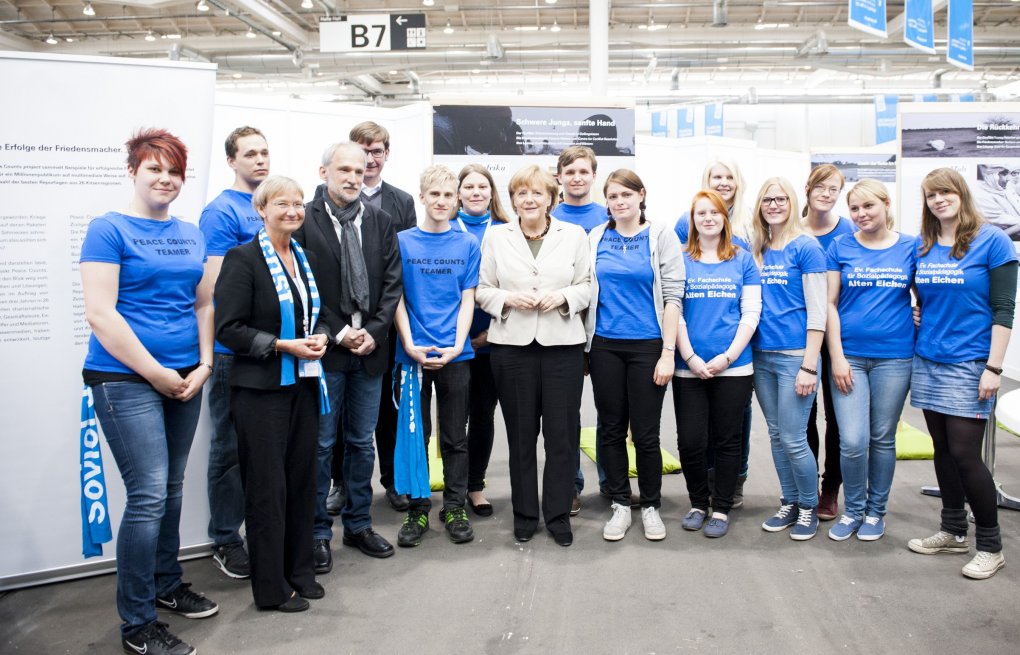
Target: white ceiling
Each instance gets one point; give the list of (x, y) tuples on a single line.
[(777, 50)]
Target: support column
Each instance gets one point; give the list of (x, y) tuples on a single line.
[(598, 26)]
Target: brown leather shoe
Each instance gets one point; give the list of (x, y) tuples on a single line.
[(575, 507), (828, 505)]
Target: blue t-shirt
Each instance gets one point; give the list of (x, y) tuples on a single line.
[(229, 220), (438, 268), (626, 303), (161, 264), (875, 319), (712, 304), (587, 216), (683, 230), (783, 324), (476, 227), (956, 319), (843, 226)]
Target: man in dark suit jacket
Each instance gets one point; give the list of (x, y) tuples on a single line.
[(374, 139), (362, 286)]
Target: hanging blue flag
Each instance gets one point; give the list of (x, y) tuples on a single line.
[(714, 119), (885, 118), (660, 125), (919, 25), (95, 514), (685, 122), (410, 461), (960, 48), (868, 16)]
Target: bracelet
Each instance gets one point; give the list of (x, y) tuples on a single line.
[(686, 361), (809, 371), (207, 364), (993, 369), (669, 348), (276, 349), (728, 360)]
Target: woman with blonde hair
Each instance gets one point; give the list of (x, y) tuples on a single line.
[(966, 287), (871, 344), (786, 349)]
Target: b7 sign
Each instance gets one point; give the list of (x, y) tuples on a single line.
[(372, 32)]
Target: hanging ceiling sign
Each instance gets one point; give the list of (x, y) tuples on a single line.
[(372, 32), (868, 16)]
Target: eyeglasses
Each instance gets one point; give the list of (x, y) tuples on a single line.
[(377, 153), (781, 201), (283, 205), (819, 188)]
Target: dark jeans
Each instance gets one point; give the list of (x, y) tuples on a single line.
[(150, 437), (226, 498), (452, 384), (539, 389), (481, 415), (964, 478), (832, 475), (277, 433), (745, 439), (627, 396), (711, 407)]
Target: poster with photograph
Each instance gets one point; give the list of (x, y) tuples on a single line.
[(982, 142), (506, 138), (857, 165)]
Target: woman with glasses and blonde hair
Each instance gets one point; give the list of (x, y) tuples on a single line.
[(786, 349)]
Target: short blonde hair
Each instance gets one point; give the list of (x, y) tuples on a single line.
[(435, 175), (871, 189), (273, 186), (535, 178), (761, 237)]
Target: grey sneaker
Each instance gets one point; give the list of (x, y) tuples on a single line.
[(232, 560), (984, 565), (940, 542), (618, 525), (655, 530)]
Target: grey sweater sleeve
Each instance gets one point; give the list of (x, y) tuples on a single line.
[(815, 299), (1002, 293)]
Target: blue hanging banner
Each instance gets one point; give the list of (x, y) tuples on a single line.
[(685, 122), (868, 16), (885, 118), (960, 48), (926, 98), (660, 126), (919, 26), (714, 119), (964, 97)]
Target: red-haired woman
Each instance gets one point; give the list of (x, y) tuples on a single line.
[(149, 355)]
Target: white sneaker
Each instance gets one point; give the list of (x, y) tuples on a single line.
[(654, 528), (617, 526), (984, 565)]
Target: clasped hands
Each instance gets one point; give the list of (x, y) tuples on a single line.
[(524, 301)]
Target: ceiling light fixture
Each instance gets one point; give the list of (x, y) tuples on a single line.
[(237, 76), (555, 27), (150, 37), (88, 10), (201, 6), (69, 39), (174, 36), (250, 34), (448, 29), (552, 2), (51, 39), (428, 3), (307, 4)]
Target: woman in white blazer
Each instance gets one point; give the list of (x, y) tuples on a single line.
[(534, 281)]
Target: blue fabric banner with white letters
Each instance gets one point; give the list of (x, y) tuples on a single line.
[(685, 122), (868, 16), (714, 119), (919, 26), (660, 123), (960, 42), (885, 118)]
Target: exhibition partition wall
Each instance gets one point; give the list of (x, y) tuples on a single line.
[(65, 123), (877, 163)]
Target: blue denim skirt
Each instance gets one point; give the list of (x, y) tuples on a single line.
[(948, 388)]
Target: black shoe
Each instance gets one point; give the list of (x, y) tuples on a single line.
[(481, 509), (562, 538), (187, 603), (293, 604), (232, 560), (369, 542), (322, 556), (314, 591), (155, 639), (416, 523), (457, 525), (523, 534), (399, 502), (335, 501)]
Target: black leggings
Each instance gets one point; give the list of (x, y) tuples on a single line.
[(963, 477)]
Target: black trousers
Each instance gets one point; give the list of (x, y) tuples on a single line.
[(832, 475), (481, 424), (452, 383), (386, 426), (539, 389), (626, 396), (277, 433), (715, 408)]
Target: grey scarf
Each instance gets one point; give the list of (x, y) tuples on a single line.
[(353, 274)]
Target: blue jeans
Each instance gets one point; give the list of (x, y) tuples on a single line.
[(226, 497), (786, 414), (150, 437), (867, 418), (357, 393)]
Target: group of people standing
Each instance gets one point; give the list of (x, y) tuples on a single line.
[(323, 309)]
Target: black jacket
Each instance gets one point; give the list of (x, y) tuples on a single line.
[(385, 278), (248, 315), (400, 206)]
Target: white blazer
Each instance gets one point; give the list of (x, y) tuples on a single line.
[(508, 266)]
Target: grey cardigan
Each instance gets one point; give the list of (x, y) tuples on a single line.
[(667, 266)]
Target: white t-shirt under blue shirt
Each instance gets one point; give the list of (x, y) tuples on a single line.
[(161, 264), (438, 268), (587, 216), (712, 304), (783, 324), (626, 303), (956, 319), (875, 318)]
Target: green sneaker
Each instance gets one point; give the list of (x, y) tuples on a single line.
[(457, 525), (416, 523)]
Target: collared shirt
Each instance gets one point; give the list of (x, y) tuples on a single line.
[(356, 318), (371, 191)]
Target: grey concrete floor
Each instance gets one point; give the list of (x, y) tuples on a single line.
[(751, 592)]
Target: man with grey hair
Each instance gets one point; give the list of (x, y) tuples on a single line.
[(359, 277)]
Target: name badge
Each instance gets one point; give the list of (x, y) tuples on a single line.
[(309, 368)]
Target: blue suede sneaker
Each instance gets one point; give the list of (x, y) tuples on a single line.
[(845, 528), (807, 524), (717, 527), (872, 529), (784, 518), (693, 520)]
